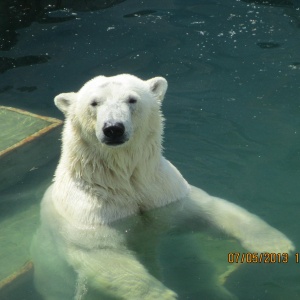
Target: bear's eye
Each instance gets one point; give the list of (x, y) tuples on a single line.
[(94, 103), (132, 100)]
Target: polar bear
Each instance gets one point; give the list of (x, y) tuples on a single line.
[(114, 195)]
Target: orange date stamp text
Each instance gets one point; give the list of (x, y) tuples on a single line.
[(257, 258)]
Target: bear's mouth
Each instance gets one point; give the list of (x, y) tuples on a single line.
[(114, 142)]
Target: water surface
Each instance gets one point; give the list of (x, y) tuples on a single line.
[(232, 107)]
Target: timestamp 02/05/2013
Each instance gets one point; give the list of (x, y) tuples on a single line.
[(267, 258)]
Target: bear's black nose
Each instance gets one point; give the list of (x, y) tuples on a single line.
[(113, 130)]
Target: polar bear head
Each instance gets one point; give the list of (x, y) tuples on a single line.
[(113, 111)]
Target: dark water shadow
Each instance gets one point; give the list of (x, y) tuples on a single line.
[(21, 13), (7, 63)]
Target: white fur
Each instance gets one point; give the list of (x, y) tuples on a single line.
[(97, 188)]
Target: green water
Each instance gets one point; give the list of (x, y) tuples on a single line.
[(232, 107)]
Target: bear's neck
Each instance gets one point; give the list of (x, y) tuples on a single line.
[(113, 168)]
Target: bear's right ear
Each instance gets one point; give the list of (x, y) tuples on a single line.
[(64, 100)]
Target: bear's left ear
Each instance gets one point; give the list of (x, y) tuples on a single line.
[(158, 85), (64, 100)]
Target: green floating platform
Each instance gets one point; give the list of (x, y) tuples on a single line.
[(28, 142), (18, 127)]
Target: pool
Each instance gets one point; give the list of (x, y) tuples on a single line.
[(232, 119)]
